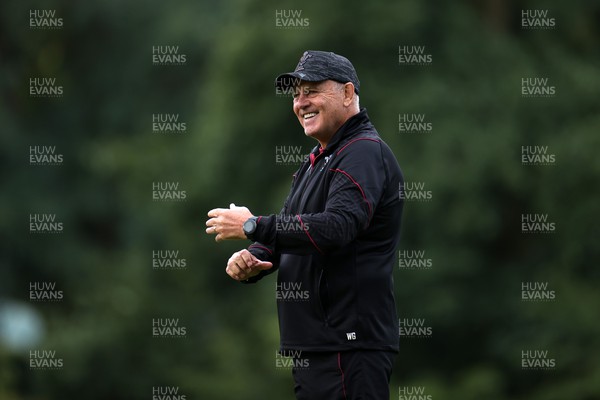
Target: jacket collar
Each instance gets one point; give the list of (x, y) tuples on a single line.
[(356, 123)]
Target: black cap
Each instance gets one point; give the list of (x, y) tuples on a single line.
[(316, 66)]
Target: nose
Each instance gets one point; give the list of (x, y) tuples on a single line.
[(301, 100)]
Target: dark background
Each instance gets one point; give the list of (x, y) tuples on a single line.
[(470, 160)]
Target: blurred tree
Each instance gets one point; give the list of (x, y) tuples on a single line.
[(470, 160)]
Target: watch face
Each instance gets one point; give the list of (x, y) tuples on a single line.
[(249, 226)]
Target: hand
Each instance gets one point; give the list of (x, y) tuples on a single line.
[(243, 265), (227, 223)]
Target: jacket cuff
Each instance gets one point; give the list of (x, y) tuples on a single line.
[(265, 230)]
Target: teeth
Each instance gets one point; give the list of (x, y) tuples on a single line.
[(309, 115)]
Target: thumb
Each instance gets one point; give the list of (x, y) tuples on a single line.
[(264, 265)]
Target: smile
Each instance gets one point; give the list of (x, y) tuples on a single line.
[(309, 115)]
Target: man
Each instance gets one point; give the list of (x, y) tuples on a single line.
[(335, 240)]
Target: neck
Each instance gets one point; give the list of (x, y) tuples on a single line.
[(324, 142)]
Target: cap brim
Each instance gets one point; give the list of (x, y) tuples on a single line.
[(292, 79)]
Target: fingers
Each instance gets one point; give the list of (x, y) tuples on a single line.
[(243, 264), (237, 271), (249, 258), (234, 271), (212, 222), (240, 264), (212, 229), (216, 211), (227, 223), (262, 265)]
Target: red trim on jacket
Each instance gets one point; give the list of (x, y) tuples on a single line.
[(260, 247), (359, 188), (356, 140), (342, 372), (308, 234)]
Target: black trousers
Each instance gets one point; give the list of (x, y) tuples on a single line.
[(346, 375)]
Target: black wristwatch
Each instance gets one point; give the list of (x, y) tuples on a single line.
[(249, 226)]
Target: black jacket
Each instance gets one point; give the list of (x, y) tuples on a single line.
[(334, 244)]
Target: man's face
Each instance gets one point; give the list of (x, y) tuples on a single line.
[(320, 109)]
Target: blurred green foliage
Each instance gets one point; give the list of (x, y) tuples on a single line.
[(471, 162)]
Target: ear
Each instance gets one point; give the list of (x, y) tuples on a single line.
[(348, 94)]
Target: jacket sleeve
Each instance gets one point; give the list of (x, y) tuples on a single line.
[(356, 184), (267, 252)]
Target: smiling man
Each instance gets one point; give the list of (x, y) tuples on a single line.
[(333, 243)]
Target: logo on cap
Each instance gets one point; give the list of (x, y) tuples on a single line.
[(303, 60)]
